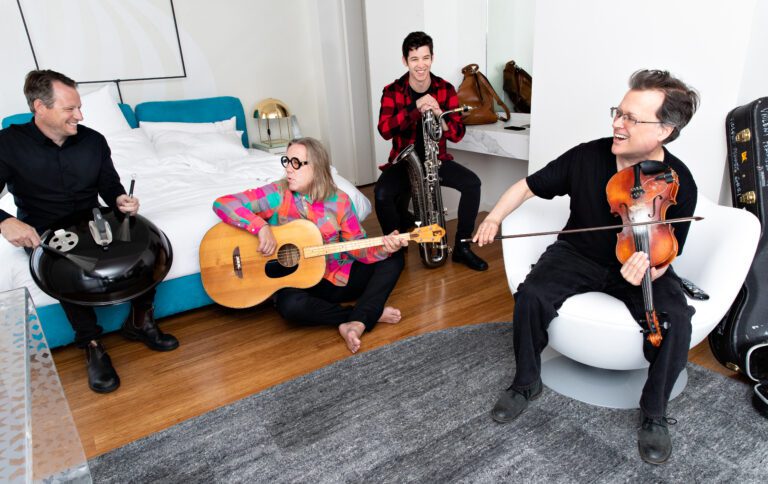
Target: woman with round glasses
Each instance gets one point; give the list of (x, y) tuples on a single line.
[(308, 192)]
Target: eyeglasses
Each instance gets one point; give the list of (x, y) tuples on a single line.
[(295, 162), (628, 120)]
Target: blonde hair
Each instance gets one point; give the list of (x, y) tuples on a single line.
[(322, 185)]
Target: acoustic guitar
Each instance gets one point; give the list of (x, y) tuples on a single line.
[(235, 274)]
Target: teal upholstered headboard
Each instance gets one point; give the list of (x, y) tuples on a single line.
[(206, 110), (129, 115), (25, 117)]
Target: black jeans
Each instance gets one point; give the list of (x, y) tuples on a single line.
[(83, 318), (562, 272), (393, 189), (370, 284)]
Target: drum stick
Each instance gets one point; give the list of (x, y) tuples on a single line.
[(133, 184)]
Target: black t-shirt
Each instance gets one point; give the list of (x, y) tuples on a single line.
[(50, 182), (583, 173), (418, 145)]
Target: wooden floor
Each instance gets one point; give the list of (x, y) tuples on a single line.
[(226, 355)]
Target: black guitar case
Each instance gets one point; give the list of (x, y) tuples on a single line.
[(746, 323)]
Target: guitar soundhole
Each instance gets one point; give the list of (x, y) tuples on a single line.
[(288, 255), (274, 270)]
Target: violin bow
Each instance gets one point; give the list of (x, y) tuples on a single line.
[(594, 229)]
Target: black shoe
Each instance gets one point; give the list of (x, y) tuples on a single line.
[(141, 326), (462, 253), (653, 440), (102, 377), (512, 402)]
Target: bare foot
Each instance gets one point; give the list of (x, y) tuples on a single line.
[(351, 332), (390, 315)]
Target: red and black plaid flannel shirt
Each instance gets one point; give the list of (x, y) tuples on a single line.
[(399, 118)]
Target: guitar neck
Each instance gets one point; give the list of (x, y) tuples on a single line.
[(335, 248)]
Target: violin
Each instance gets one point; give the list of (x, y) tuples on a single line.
[(641, 195)]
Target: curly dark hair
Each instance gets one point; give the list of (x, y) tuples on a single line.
[(39, 85), (680, 100), (414, 40)]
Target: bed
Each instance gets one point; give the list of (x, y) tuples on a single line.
[(183, 156)]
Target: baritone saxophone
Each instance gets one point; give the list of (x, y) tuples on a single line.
[(425, 185)]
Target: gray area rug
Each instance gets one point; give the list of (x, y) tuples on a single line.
[(417, 411)]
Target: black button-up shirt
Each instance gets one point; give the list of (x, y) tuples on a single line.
[(50, 182)]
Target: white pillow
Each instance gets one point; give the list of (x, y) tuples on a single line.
[(204, 146), (130, 147), (101, 112), (154, 128)]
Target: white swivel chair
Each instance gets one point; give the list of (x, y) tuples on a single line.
[(597, 345)]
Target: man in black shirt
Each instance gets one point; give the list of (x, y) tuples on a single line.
[(55, 167), (652, 113)]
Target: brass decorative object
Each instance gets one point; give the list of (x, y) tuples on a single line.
[(273, 122)]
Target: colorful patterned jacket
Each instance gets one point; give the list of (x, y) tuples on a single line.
[(274, 204)]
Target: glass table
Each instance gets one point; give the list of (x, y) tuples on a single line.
[(38, 438)]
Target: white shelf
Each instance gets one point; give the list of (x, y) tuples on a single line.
[(493, 139)]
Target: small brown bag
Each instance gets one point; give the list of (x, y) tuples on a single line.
[(518, 86), (477, 92)]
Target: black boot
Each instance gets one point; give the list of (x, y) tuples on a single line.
[(512, 402), (462, 253), (653, 440), (102, 377), (141, 326)]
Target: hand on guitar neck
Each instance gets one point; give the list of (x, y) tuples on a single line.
[(236, 273)]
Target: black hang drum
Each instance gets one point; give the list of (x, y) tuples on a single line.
[(136, 260)]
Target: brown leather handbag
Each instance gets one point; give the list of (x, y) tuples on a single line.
[(518, 86), (477, 92)]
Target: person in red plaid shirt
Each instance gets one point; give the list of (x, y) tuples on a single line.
[(400, 119)]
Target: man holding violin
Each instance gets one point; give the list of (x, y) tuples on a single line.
[(651, 114)]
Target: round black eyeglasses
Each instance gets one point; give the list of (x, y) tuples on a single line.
[(295, 162)]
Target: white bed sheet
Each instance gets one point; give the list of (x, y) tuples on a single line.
[(176, 194)]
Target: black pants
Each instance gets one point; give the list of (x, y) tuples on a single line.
[(83, 318), (562, 272), (393, 188), (370, 284)]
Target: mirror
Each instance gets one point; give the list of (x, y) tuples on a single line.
[(510, 37)]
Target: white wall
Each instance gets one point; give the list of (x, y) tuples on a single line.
[(342, 84), (585, 52), (251, 49), (386, 27), (754, 83)]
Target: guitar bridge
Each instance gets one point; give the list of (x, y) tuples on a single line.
[(237, 263)]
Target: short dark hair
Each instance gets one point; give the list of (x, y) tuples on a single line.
[(414, 40), (39, 85), (680, 100)]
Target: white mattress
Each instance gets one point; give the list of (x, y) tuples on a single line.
[(176, 193)]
